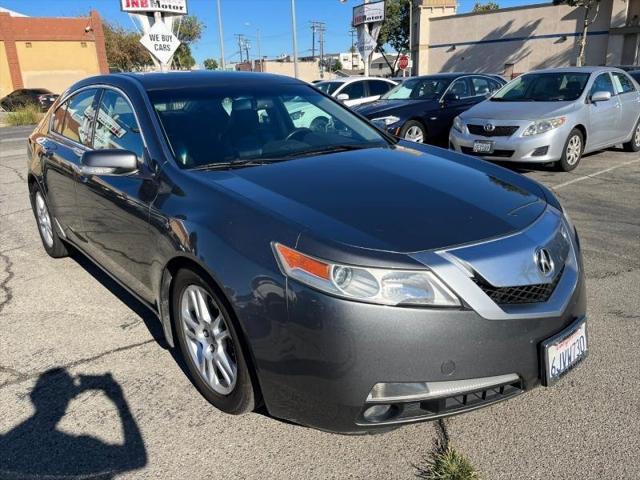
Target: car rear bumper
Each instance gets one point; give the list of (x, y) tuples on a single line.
[(333, 352), (543, 148)]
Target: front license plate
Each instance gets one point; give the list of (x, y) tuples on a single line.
[(482, 146), (564, 351)]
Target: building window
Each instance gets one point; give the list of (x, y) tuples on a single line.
[(27, 44)]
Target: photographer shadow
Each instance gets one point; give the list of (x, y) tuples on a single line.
[(36, 448)]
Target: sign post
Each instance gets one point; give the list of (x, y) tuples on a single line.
[(367, 19), (158, 36)]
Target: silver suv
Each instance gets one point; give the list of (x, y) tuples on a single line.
[(553, 115)]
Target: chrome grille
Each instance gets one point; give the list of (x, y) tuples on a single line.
[(498, 131)]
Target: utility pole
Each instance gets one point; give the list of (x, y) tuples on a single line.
[(321, 29), (240, 38), (314, 25), (295, 38), (353, 48), (366, 59), (259, 51), (221, 37)]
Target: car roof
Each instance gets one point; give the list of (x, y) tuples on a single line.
[(161, 81), (575, 70), (354, 78)]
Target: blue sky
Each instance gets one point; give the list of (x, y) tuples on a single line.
[(272, 17)]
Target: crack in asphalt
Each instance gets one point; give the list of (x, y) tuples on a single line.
[(19, 173), (4, 284), (83, 361)]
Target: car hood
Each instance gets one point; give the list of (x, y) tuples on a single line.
[(400, 199), (388, 107), (518, 110)]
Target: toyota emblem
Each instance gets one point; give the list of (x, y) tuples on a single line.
[(544, 261), (489, 127)]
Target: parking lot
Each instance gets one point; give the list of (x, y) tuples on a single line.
[(65, 314)]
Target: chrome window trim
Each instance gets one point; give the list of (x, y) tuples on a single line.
[(98, 86), (458, 276)]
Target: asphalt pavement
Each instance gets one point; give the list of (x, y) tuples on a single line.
[(88, 388)]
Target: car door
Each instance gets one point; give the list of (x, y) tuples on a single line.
[(115, 208), (69, 137), (629, 103), (458, 98), (604, 117), (357, 93)]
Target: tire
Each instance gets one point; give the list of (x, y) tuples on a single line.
[(51, 240), (225, 382), (413, 131), (633, 145), (572, 152)]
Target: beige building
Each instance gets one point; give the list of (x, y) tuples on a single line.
[(516, 40)]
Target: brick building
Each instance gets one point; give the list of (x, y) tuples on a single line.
[(46, 52)]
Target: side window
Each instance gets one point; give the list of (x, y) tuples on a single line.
[(354, 90), (481, 86), (460, 88), (78, 120), (622, 83), (603, 83), (378, 87), (116, 126), (494, 86), (58, 118)]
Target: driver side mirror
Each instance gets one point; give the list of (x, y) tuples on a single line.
[(600, 96), (449, 97), (343, 96), (108, 162)]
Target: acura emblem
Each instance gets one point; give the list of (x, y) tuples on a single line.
[(544, 261), (489, 127)]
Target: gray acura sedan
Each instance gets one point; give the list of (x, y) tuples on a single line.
[(553, 116), (338, 277)]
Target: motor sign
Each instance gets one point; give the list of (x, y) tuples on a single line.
[(368, 13), (161, 42), (178, 7)]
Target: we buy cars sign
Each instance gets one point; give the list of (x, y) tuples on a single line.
[(144, 6), (161, 42)]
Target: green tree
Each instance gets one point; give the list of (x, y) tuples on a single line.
[(591, 9), (210, 64), (125, 53), (188, 30), (395, 30), (337, 65), (480, 7)]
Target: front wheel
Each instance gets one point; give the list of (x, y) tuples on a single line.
[(51, 241), (210, 345), (634, 144), (572, 153), (413, 131)]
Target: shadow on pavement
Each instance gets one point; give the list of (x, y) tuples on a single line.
[(148, 317), (37, 449)]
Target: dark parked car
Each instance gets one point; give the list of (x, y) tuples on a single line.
[(40, 97), (422, 109), (635, 74), (342, 278)]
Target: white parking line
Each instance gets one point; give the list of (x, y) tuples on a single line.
[(12, 139), (585, 177)]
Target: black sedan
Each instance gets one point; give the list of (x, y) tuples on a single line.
[(38, 97), (341, 278), (422, 109)]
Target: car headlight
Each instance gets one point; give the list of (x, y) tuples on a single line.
[(542, 126), (386, 121), (458, 124), (372, 285)]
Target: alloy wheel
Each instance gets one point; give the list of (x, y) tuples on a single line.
[(44, 220), (636, 136), (414, 134), (574, 150), (208, 339)]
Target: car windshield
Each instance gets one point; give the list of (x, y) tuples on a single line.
[(328, 87), (422, 88), (543, 87), (234, 125)]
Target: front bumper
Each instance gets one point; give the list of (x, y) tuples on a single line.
[(333, 352), (514, 148)]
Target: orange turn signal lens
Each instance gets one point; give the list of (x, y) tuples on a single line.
[(295, 259)]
